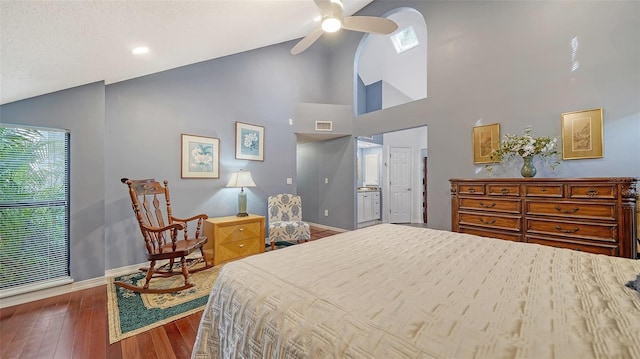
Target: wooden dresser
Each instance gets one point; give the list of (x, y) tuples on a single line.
[(233, 237), (594, 215)]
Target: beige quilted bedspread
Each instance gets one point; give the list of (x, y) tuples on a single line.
[(392, 291)]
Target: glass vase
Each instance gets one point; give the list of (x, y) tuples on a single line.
[(528, 170)]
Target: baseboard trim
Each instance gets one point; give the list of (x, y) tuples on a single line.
[(67, 288), (125, 270), (328, 227), (51, 292)]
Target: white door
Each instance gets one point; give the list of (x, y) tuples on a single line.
[(399, 185)]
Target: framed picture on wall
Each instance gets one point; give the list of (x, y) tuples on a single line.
[(582, 134), (200, 157), (486, 138), (249, 142)]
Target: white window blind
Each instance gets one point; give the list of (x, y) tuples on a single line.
[(34, 207)]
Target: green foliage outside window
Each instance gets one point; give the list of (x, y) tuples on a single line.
[(33, 205)]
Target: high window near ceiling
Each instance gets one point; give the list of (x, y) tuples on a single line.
[(391, 70), (34, 208)]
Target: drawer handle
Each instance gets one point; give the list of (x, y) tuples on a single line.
[(487, 222), (592, 192), (567, 211), (543, 189), (241, 229), (567, 230), (242, 245), (471, 189), (504, 190), (487, 205)]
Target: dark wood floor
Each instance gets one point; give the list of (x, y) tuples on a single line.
[(74, 325)]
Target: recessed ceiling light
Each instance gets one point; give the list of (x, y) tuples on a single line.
[(140, 50)]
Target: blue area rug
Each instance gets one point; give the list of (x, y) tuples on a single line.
[(131, 313)]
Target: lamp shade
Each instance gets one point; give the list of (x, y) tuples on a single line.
[(241, 179)]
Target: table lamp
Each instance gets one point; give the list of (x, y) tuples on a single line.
[(241, 179)]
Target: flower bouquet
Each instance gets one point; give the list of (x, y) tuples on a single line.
[(526, 146)]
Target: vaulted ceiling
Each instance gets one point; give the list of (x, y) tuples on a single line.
[(47, 46)]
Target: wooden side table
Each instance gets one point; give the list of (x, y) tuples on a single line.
[(233, 237)]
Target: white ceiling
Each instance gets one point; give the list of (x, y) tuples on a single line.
[(48, 45)]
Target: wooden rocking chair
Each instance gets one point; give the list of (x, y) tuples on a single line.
[(161, 240)]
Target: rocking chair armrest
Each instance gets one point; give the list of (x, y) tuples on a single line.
[(178, 226), (199, 216)]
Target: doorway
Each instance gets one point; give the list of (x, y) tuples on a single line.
[(402, 176)]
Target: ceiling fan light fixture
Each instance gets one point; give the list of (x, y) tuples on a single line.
[(331, 24)]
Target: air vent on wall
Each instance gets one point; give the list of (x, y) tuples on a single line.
[(326, 126)]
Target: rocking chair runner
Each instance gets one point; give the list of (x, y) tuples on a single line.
[(161, 240)]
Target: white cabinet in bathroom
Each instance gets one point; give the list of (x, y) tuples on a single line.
[(368, 206)]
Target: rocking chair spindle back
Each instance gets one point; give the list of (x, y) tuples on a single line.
[(161, 237)]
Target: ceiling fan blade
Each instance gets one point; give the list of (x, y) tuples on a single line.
[(325, 7), (307, 41), (374, 25)]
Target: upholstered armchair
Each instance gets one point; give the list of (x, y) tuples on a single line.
[(285, 221)]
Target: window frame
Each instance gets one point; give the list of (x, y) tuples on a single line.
[(60, 158)]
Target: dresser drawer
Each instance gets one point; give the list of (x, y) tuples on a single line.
[(237, 249), (503, 189), (544, 190), (597, 215), (584, 231), (605, 191), (474, 189), (238, 232), (492, 234), (509, 223), (234, 237), (610, 250), (600, 211), (491, 204)]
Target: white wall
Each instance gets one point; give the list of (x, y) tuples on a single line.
[(405, 72)]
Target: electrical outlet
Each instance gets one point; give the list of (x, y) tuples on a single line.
[(326, 213), (289, 180), (290, 122), (326, 180)]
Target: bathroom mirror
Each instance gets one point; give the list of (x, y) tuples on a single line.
[(371, 170)]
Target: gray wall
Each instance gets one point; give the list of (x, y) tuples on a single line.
[(146, 116), (307, 114), (80, 110), (510, 62), (506, 62), (333, 160)]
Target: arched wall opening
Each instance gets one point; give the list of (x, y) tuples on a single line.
[(390, 70)]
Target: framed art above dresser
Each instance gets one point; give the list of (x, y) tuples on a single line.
[(596, 215)]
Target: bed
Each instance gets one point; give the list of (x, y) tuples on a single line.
[(392, 291)]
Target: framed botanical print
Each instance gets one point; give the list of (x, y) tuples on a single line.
[(582, 134), (200, 157), (249, 142), (486, 138)]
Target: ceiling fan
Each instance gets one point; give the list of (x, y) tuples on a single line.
[(332, 21)]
